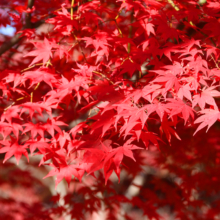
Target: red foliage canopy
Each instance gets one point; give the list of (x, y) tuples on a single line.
[(97, 87)]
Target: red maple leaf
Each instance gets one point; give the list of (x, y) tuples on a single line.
[(208, 119), (43, 52), (15, 149), (64, 172)]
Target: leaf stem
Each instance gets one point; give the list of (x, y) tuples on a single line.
[(173, 4), (130, 31), (71, 10), (38, 64), (119, 30), (9, 106), (104, 76), (216, 64)]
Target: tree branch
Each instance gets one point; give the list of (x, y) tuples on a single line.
[(28, 23), (14, 40), (8, 45)]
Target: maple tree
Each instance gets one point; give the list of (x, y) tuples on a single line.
[(120, 99)]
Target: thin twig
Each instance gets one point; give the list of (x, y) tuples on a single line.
[(9, 106), (119, 30), (14, 102), (80, 48), (104, 76), (31, 96), (216, 64), (72, 4), (38, 64), (173, 4)]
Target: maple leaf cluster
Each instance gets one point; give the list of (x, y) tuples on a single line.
[(104, 87)]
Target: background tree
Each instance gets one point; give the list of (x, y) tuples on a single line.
[(113, 97)]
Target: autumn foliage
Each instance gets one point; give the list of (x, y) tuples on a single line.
[(120, 99)]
